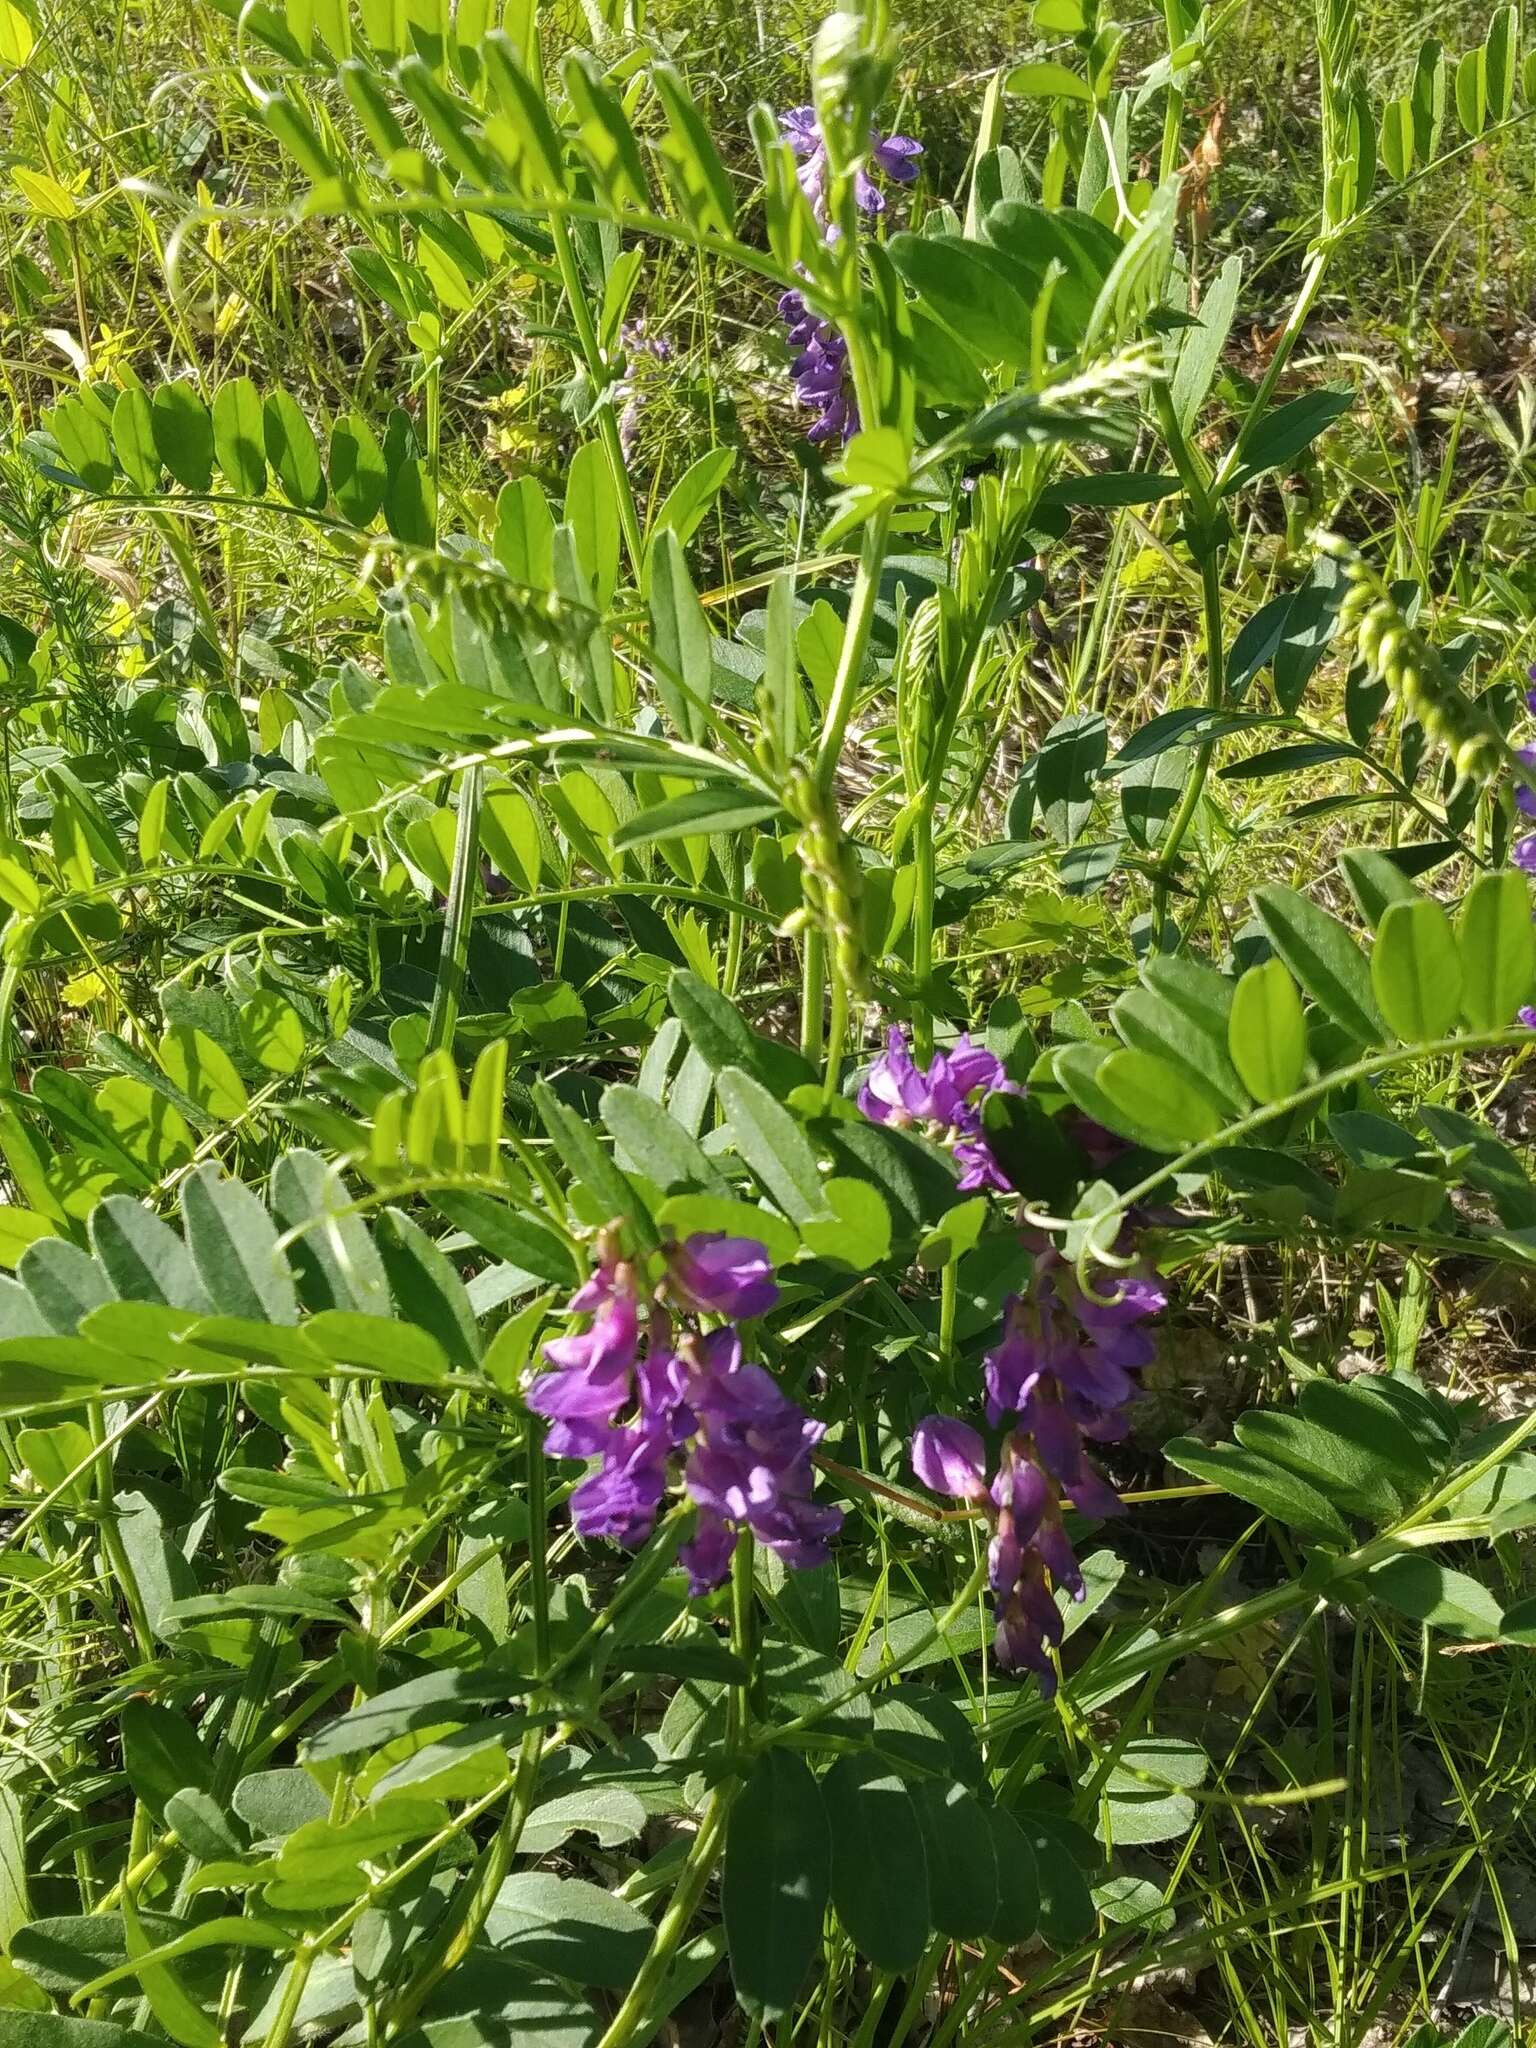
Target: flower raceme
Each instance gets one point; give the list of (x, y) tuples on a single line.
[(645, 1393), (946, 1099), (1060, 1378), (820, 368)]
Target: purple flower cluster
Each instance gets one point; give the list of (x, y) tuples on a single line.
[(819, 371), (641, 1392), (946, 1100), (894, 156), (820, 367), (1061, 1377), (640, 347)]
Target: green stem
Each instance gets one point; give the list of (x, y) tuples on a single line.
[(458, 920), (743, 1593), (607, 423), (1173, 106), (813, 988), (850, 665), (635, 2015)]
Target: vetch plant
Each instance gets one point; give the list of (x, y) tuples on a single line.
[(560, 1483)]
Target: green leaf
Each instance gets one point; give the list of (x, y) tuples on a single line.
[(879, 1868), (858, 1231), (410, 504), (773, 1144), (203, 1070), (161, 1754), (592, 514), (333, 1257), (1046, 80), (776, 1878), (292, 450), (1018, 1881), (712, 808), (1472, 92), (687, 1215), (183, 435), (1498, 950), (656, 1142), (963, 1896), (588, 1161), (234, 1246), (439, 1698), (272, 1032), (1200, 348), (684, 506), (681, 638), (568, 1928), (723, 1038), (1345, 1470), (1430, 1592), (358, 473), (50, 2030), (133, 436), (142, 1257), (1282, 434), (1067, 772), (1428, 96), (1267, 1034), (500, 1230), (700, 179), (238, 436), (1416, 971), (1154, 1101), (965, 285), (1324, 959), (83, 442), (427, 1290), (1144, 1798), (1501, 49), (1396, 138), (1263, 1484)]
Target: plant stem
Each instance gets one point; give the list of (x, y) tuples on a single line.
[(850, 663), (637, 2010), (458, 919), (597, 369)]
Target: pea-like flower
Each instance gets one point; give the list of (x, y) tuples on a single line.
[(820, 370), (1060, 1377), (945, 1099), (894, 156), (653, 1398)]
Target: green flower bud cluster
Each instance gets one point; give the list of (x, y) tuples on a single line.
[(829, 882), (1413, 671)]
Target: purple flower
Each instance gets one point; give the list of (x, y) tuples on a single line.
[(820, 370), (1523, 854), (706, 1557), (1060, 1375), (643, 1396), (641, 348), (620, 1498), (591, 1382), (724, 1276), (950, 1457), (1526, 1015), (894, 156), (947, 1099), (1526, 798), (751, 1461)]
